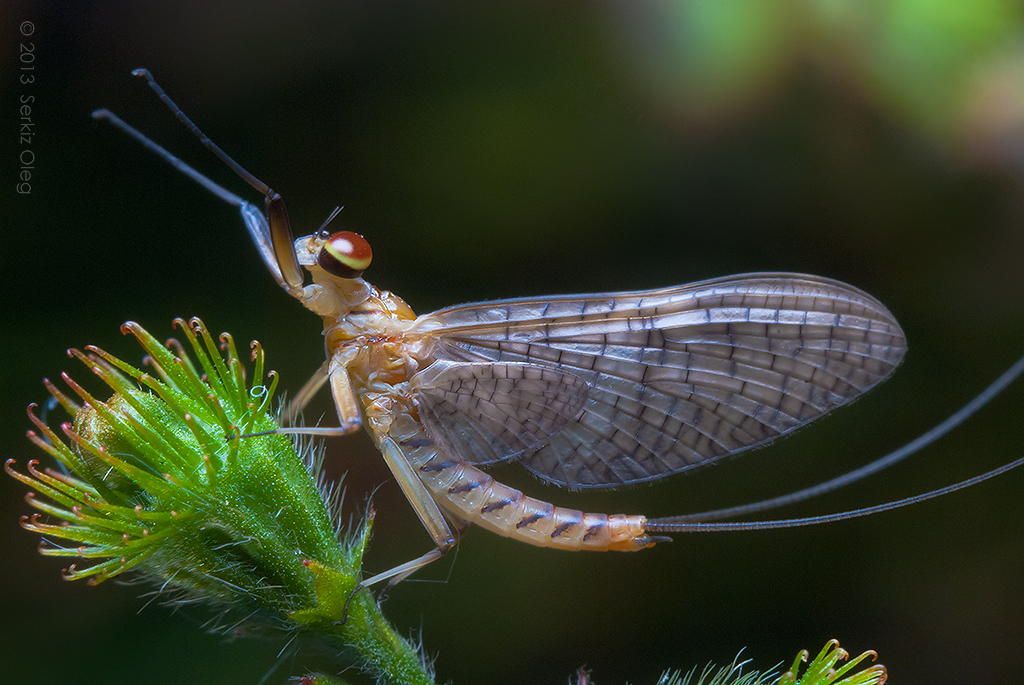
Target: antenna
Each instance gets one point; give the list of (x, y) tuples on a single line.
[(330, 217)]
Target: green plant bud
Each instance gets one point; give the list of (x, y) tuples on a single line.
[(158, 479)]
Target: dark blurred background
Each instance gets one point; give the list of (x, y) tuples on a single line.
[(504, 149)]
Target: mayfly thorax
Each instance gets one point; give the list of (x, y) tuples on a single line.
[(585, 391)]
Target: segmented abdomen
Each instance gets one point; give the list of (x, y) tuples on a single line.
[(476, 497)]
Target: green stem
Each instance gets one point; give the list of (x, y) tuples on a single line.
[(388, 655)]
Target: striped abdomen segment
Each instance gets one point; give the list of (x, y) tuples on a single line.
[(476, 497)]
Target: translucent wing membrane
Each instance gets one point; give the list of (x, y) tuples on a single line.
[(488, 413), (681, 376)]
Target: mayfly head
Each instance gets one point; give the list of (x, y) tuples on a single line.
[(342, 254)]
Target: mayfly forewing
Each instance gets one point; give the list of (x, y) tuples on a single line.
[(679, 377)]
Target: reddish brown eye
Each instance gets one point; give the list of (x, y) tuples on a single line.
[(345, 254)]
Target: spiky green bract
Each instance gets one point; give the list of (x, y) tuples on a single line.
[(318, 679), (721, 675), (825, 669), (157, 479), (821, 671)]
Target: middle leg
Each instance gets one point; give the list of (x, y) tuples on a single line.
[(426, 509), (305, 394)]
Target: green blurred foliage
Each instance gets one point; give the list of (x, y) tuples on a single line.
[(917, 61)]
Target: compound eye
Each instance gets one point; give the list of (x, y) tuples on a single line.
[(345, 254)]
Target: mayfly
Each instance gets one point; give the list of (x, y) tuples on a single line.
[(584, 391)]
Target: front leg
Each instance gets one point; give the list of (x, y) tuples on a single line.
[(346, 402)]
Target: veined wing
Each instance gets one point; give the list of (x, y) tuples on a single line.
[(681, 376), (491, 412)]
